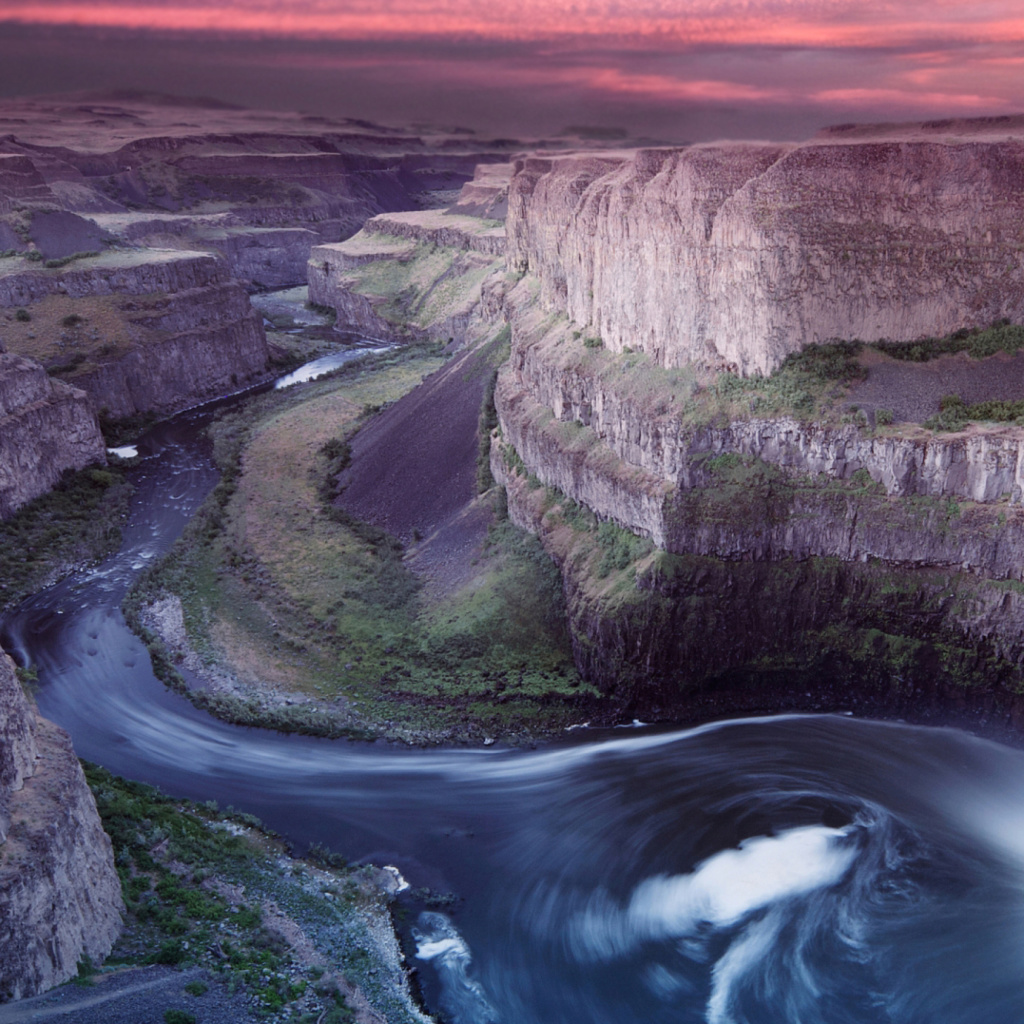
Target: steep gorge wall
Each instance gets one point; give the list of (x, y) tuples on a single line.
[(46, 426), (60, 896), (735, 255), (187, 330), (797, 563)]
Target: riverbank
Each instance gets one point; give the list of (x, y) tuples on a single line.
[(223, 925), (280, 610)]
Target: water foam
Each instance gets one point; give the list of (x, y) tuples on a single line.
[(721, 891), (439, 941)]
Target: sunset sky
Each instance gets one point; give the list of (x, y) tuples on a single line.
[(672, 68)]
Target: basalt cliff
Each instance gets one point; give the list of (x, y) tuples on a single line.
[(680, 417), (732, 541), (60, 896), (735, 255)]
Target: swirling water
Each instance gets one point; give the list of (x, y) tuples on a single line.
[(799, 869)]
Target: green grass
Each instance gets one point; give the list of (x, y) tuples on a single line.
[(76, 523), (280, 586), (424, 287), (805, 385), (182, 866), (954, 413), (979, 343)]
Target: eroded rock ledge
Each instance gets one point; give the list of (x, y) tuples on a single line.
[(46, 427)]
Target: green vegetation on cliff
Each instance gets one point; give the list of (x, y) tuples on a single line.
[(691, 635), (76, 523), (213, 888)]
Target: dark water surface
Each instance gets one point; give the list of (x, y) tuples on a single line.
[(799, 869)]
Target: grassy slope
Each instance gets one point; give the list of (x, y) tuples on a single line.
[(284, 593), (198, 884), (419, 286)]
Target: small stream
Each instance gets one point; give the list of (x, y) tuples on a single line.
[(811, 869)]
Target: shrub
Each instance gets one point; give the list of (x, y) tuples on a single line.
[(883, 417), (23, 316), (1002, 336)]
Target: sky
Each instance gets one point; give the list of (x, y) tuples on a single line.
[(672, 69)]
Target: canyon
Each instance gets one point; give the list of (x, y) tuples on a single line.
[(624, 332), (652, 298)]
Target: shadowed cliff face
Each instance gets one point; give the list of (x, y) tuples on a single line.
[(735, 255), (46, 426), (60, 897), (147, 331)]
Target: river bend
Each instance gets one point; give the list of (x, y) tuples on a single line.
[(797, 869)]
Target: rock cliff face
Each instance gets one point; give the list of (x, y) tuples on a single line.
[(982, 464), (425, 274), (60, 897), (786, 554), (180, 329), (736, 255), (46, 426)]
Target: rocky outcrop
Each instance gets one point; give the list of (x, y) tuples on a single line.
[(791, 563), (736, 255), (486, 196), (453, 231), (46, 427), (410, 275), (747, 510), (60, 896), (185, 330), (638, 414)]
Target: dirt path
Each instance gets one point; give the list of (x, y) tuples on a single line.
[(133, 996)]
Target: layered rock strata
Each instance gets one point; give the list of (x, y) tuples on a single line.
[(60, 896), (260, 189), (426, 275), (811, 555), (46, 427), (735, 255), (184, 329)]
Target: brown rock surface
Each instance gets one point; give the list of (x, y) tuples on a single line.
[(60, 897)]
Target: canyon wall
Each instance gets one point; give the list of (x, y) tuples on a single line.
[(717, 559), (46, 427), (177, 329), (735, 255), (412, 275), (60, 896)]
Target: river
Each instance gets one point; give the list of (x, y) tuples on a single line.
[(791, 869)]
